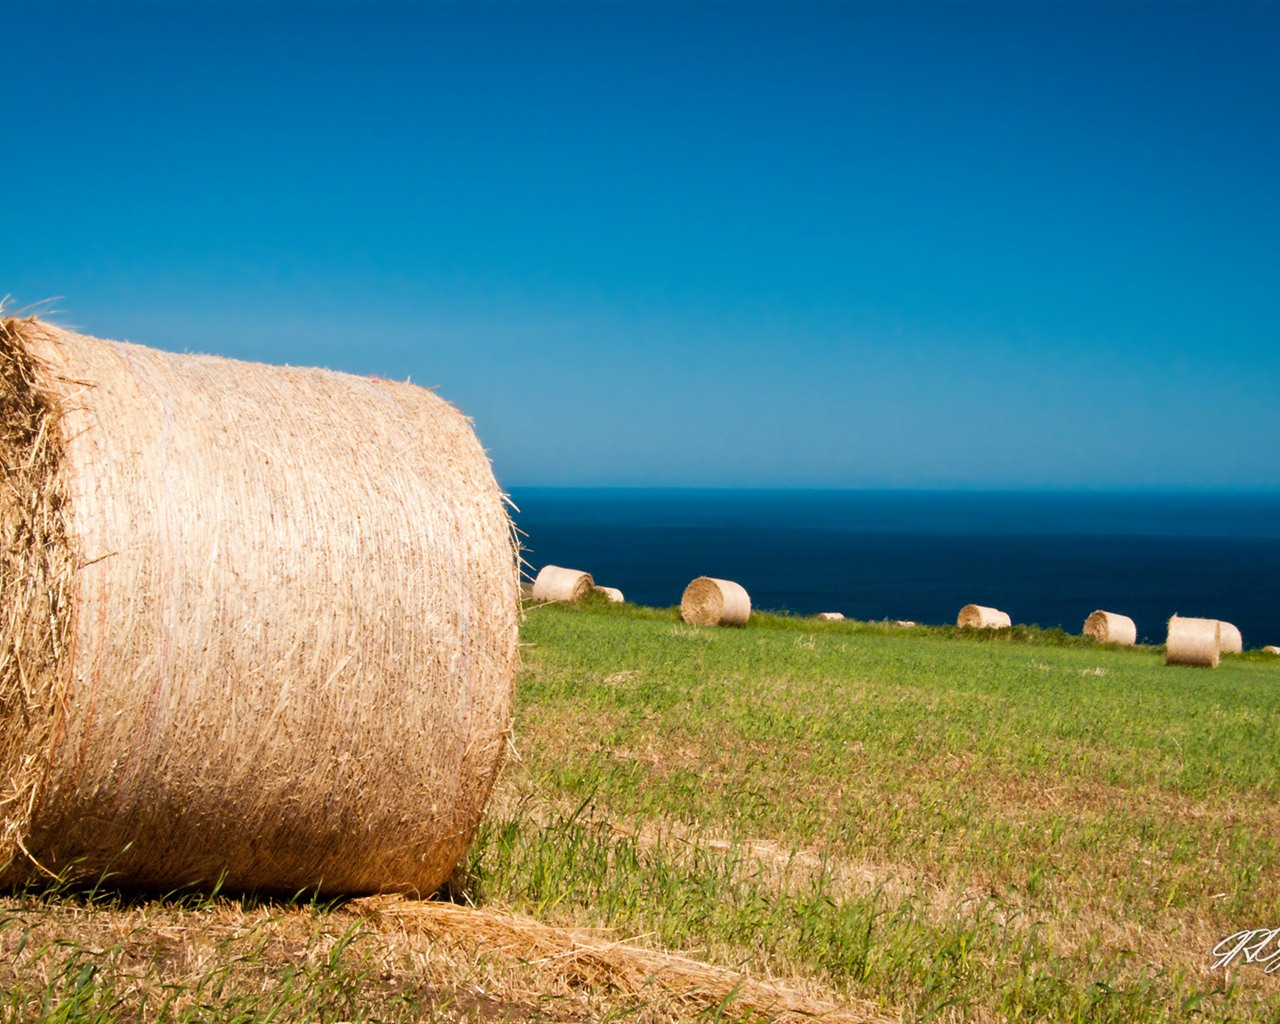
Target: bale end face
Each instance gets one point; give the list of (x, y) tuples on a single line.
[(1229, 639), (1194, 642), (708, 601)]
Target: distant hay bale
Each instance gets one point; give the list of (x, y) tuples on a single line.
[(1270, 649), (1229, 639), (975, 616), (554, 583), (526, 590), (830, 616), (711, 602), (904, 622), (259, 622), (1193, 642), (612, 593), (1111, 628)]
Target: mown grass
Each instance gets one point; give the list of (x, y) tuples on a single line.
[(953, 825), (1024, 826)]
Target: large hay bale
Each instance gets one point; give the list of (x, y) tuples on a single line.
[(976, 616), (711, 602), (556, 584), (1193, 642), (1229, 639), (1111, 628), (613, 594), (259, 623)]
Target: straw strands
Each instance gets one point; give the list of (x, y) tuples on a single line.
[(554, 583), (1193, 642), (713, 602), (976, 616), (259, 623), (612, 593), (1229, 639), (576, 956), (1111, 628)]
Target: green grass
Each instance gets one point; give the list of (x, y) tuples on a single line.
[(966, 826)]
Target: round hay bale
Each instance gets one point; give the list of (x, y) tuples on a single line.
[(1229, 639), (711, 602), (1270, 649), (612, 593), (556, 584), (1111, 628), (526, 590), (830, 616), (975, 616), (259, 622), (1193, 642)]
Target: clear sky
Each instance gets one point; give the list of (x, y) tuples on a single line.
[(783, 244)]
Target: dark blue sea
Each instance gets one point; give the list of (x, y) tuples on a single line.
[(1045, 558)]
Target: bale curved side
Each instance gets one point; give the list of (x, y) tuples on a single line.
[(554, 583), (1111, 628), (612, 593), (976, 616), (277, 626), (708, 601), (1229, 639), (1193, 642)]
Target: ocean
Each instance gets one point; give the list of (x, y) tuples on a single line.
[(1046, 558)]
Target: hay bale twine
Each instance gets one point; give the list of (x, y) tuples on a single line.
[(1229, 639), (556, 584), (976, 616), (1111, 628), (712, 602), (1193, 642), (830, 616), (259, 623), (612, 593)]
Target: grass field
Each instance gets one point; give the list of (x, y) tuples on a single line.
[(899, 822)]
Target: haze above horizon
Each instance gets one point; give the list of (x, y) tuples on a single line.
[(890, 245)]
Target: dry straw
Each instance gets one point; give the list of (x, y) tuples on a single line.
[(1111, 628), (556, 584), (976, 616), (1193, 642), (712, 602), (260, 623), (612, 593), (1229, 639)]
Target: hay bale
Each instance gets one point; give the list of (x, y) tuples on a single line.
[(556, 584), (526, 590), (1229, 639), (976, 616), (1193, 642), (1111, 628), (711, 602), (260, 623), (1269, 649), (830, 616), (612, 593)]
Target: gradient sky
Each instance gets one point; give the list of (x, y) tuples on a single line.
[(835, 245)]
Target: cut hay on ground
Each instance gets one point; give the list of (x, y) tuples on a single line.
[(260, 623), (1193, 642), (1111, 628), (554, 583), (831, 616), (631, 970), (976, 616), (612, 593), (1229, 639), (712, 602)]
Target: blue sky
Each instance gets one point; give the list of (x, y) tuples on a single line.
[(828, 245)]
